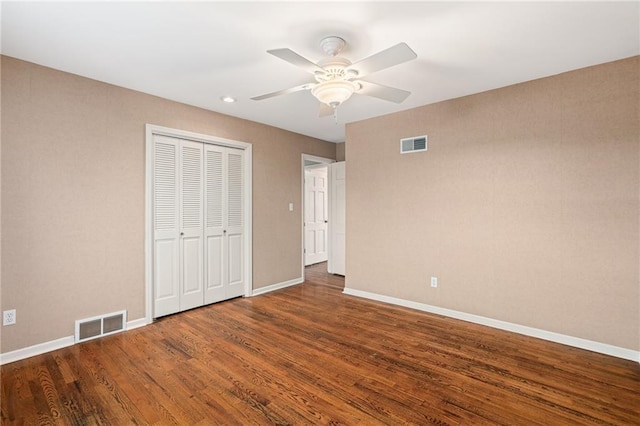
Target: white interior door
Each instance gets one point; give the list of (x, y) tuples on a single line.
[(224, 230), (336, 264), (315, 214), (191, 229), (166, 226), (214, 223), (234, 248)]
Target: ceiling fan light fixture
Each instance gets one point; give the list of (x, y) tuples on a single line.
[(334, 92)]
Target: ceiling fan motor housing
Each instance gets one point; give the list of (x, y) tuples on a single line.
[(334, 68), (332, 45)]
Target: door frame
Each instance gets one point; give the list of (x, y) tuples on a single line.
[(152, 129), (326, 162)]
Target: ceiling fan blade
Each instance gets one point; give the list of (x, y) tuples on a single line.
[(283, 92), (325, 110), (297, 60), (390, 94), (387, 58)]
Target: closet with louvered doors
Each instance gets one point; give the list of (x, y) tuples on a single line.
[(198, 224)]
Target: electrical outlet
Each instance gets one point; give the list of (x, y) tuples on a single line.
[(9, 317), (434, 282)]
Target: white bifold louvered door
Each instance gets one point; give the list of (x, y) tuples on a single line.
[(223, 223), (198, 229)]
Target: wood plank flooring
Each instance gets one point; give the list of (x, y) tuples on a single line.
[(310, 355)]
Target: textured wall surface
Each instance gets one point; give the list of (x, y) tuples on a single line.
[(525, 206), (340, 152), (73, 182)]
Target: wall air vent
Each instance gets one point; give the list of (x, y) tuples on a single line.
[(414, 144), (102, 325)]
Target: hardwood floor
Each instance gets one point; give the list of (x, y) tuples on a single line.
[(310, 355)]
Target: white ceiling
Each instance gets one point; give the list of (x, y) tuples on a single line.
[(197, 52)]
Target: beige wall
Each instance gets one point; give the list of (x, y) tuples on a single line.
[(525, 206), (73, 179), (340, 152)]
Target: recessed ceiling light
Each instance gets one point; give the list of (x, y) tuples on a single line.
[(228, 99)]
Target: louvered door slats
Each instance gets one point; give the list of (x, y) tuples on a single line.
[(214, 186), (191, 187), (165, 188), (234, 195)]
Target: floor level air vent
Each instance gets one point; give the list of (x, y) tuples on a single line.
[(102, 325), (414, 144)]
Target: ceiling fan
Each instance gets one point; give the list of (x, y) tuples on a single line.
[(337, 78)]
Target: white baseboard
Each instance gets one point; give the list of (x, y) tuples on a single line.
[(577, 342), (140, 322), (52, 345), (38, 349), (277, 286)]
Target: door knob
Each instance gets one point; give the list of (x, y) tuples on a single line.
[(182, 234), (224, 231)]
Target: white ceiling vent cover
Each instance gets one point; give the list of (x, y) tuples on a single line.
[(414, 144), (102, 325)]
